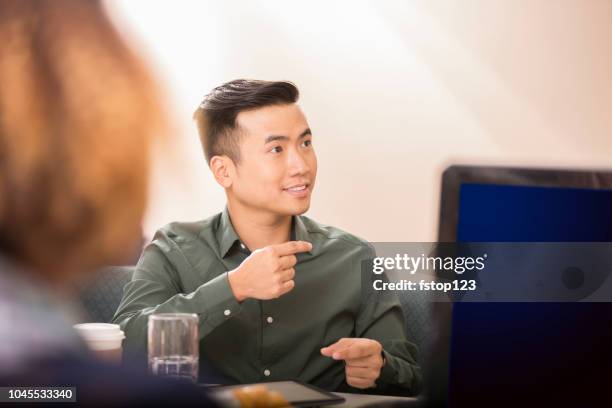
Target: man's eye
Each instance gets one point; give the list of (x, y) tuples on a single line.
[(307, 143), (276, 149)]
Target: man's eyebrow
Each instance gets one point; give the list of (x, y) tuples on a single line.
[(273, 138), (305, 133)]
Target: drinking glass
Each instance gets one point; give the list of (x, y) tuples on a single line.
[(173, 345)]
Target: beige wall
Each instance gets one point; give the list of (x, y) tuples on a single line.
[(394, 91)]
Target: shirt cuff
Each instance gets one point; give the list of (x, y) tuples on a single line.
[(219, 300), (388, 374)]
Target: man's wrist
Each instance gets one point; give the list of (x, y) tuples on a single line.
[(235, 286)]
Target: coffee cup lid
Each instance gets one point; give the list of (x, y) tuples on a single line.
[(100, 331)]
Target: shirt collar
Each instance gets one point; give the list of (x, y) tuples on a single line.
[(227, 237), (298, 230)]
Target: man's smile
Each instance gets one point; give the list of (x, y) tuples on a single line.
[(298, 190)]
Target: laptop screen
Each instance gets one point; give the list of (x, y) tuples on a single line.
[(531, 352), (507, 213)]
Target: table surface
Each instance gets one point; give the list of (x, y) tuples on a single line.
[(362, 400)]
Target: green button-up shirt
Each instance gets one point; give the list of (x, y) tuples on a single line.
[(185, 269)]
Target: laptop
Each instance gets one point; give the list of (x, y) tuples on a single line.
[(520, 353)]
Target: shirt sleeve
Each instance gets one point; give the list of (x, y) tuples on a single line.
[(381, 318), (155, 288)]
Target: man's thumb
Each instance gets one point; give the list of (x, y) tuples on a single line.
[(328, 351)]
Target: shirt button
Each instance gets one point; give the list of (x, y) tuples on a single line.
[(227, 312), (270, 319), (267, 372), (242, 246)]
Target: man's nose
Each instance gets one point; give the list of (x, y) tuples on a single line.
[(297, 163)]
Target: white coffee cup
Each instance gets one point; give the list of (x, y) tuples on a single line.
[(103, 339)]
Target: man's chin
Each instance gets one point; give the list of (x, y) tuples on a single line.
[(295, 209)]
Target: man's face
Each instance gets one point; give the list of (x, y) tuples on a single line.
[(278, 166)]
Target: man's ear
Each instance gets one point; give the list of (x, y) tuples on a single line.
[(223, 170)]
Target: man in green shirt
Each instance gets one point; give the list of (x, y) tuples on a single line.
[(279, 295)]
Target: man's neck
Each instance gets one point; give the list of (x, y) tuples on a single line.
[(258, 229)]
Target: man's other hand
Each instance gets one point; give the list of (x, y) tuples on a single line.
[(363, 360), (268, 272)]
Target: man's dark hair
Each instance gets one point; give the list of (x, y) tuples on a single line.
[(216, 115)]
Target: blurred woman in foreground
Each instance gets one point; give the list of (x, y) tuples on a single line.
[(78, 112)]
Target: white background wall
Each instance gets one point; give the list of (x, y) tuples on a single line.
[(394, 91)]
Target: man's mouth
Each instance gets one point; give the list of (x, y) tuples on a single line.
[(298, 190)]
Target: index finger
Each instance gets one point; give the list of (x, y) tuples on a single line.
[(292, 247), (332, 348), (354, 351)]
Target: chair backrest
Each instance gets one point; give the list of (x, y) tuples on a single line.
[(101, 297), (416, 306)]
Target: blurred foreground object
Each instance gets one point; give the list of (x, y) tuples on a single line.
[(78, 113), (259, 396)]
